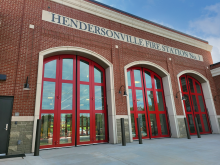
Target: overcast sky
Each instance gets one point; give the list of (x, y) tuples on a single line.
[(200, 18)]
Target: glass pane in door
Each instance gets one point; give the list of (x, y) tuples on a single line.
[(100, 126), (137, 78), (199, 123), (150, 99), (139, 99), (198, 88), (201, 103), (143, 124), (67, 96), (99, 98), (153, 124), (195, 103), (205, 122), (183, 82), (129, 78), (157, 83), (48, 95), (160, 101), (191, 123), (84, 129), (163, 124), (84, 97), (187, 103), (65, 128), (67, 72), (84, 71), (191, 85), (50, 69), (130, 99), (98, 76), (133, 125), (46, 136), (148, 79)]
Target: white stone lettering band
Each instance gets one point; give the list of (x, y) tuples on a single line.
[(76, 24)]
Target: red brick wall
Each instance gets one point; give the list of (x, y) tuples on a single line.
[(217, 98), (214, 66), (21, 46)]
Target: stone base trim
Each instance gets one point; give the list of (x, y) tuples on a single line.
[(21, 131), (127, 134), (182, 127), (218, 117), (22, 118)]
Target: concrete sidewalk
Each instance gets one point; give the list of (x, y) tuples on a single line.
[(172, 151)]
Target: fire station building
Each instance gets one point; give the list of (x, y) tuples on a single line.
[(80, 66)]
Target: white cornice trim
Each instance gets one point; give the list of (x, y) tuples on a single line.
[(215, 72), (129, 21)]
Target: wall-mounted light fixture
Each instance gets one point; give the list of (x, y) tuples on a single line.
[(26, 85), (183, 98), (125, 93)]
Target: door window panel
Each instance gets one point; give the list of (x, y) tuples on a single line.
[(187, 103), (191, 85), (163, 124), (99, 98), (67, 96), (133, 125), (100, 126), (50, 69), (84, 129), (130, 100), (129, 78), (198, 88), (143, 124), (65, 128), (205, 122), (84, 97), (148, 79), (201, 103), (139, 99), (48, 95), (157, 83), (84, 71), (153, 124), (98, 75), (191, 123), (137, 78), (183, 82), (67, 72), (160, 102), (150, 99), (199, 123), (46, 136), (195, 103)]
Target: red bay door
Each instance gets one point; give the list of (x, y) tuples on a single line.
[(194, 105), (73, 102), (147, 103)]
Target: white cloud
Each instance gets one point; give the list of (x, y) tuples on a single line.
[(208, 26), (209, 23)]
